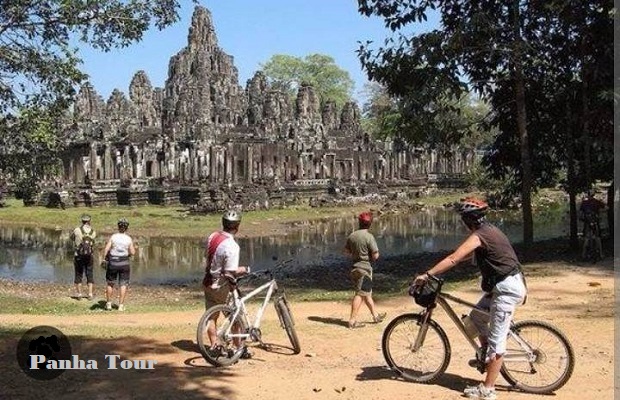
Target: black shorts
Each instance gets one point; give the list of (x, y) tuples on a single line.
[(83, 266), (118, 269)]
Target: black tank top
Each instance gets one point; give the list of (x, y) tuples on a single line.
[(495, 257)]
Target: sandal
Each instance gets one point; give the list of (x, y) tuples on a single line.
[(355, 325), (380, 317), (246, 355)]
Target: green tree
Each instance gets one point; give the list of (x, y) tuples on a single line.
[(287, 73), (448, 121), (380, 115), (39, 68), (505, 51), (568, 85), (30, 154), (37, 62)]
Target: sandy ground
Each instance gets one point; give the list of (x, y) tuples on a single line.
[(335, 362)]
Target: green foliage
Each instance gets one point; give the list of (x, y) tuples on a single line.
[(39, 71), (566, 53), (461, 121), (544, 67), (381, 117), (288, 73), (30, 144), (498, 192), (38, 66)]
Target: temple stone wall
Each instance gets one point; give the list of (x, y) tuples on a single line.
[(203, 130)]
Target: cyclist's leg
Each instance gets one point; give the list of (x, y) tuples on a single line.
[(586, 242), (214, 297), (480, 320), (357, 278), (506, 296), (366, 288), (598, 241)]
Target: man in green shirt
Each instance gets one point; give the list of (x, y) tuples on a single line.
[(362, 247)]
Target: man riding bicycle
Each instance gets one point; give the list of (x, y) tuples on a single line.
[(502, 282)]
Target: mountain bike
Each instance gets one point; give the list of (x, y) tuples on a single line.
[(234, 326), (538, 359)]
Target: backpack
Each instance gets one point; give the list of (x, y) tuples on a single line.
[(85, 249)]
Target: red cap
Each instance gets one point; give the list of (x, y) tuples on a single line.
[(365, 217)]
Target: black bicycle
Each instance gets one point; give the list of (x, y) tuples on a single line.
[(538, 359)]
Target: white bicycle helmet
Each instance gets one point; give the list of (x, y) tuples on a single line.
[(231, 216)]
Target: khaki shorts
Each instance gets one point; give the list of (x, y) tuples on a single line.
[(506, 296), (216, 296), (362, 281)]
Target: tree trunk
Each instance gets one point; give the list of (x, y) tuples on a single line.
[(610, 210), (526, 167), (570, 177), (585, 124)]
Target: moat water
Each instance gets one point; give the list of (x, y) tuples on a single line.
[(31, 254)]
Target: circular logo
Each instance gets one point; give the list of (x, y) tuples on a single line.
[(43, 352)]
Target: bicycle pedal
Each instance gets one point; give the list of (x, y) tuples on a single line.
[(480, 366)]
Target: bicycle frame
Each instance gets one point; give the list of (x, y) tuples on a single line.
[(442, 300), (239, 304)]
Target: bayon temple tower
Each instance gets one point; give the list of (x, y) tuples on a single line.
[(205, 139)]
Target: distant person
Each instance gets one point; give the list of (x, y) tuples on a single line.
[(362, 247), (83, 238), (117, 251), (589, 212), (222, 267)]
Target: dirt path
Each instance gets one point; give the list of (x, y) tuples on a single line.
[(335, 363)]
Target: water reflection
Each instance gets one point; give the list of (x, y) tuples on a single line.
[(44, 254)]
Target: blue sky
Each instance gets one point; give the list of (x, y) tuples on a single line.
[(251, 31)]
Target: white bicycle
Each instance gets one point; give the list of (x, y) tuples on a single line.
[(234, 327)]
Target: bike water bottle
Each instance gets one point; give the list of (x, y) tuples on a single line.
[(470, 328)]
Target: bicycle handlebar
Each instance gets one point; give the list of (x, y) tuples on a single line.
[(266, 272), (434, 278)]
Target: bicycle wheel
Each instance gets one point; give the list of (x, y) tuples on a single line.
[(227, 350), (286, 320), (425, 364), (552, 358)]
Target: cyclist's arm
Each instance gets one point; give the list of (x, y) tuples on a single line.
[(461, 253), (232, 264), (132, 248), (347, 248), (108, 246), (373, 250)]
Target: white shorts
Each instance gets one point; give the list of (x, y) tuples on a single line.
[(504, 298)]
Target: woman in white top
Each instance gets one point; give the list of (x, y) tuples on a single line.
[(117, 251)]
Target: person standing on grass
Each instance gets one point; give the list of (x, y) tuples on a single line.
[(117, 251), (362, 247), (83, 238)]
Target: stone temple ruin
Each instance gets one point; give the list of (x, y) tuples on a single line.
[(203, 140)]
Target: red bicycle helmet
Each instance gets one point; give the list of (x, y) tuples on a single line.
[(472, 206)]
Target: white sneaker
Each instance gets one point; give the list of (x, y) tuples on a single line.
[(121, 307), (108, 306), (480, 392)]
